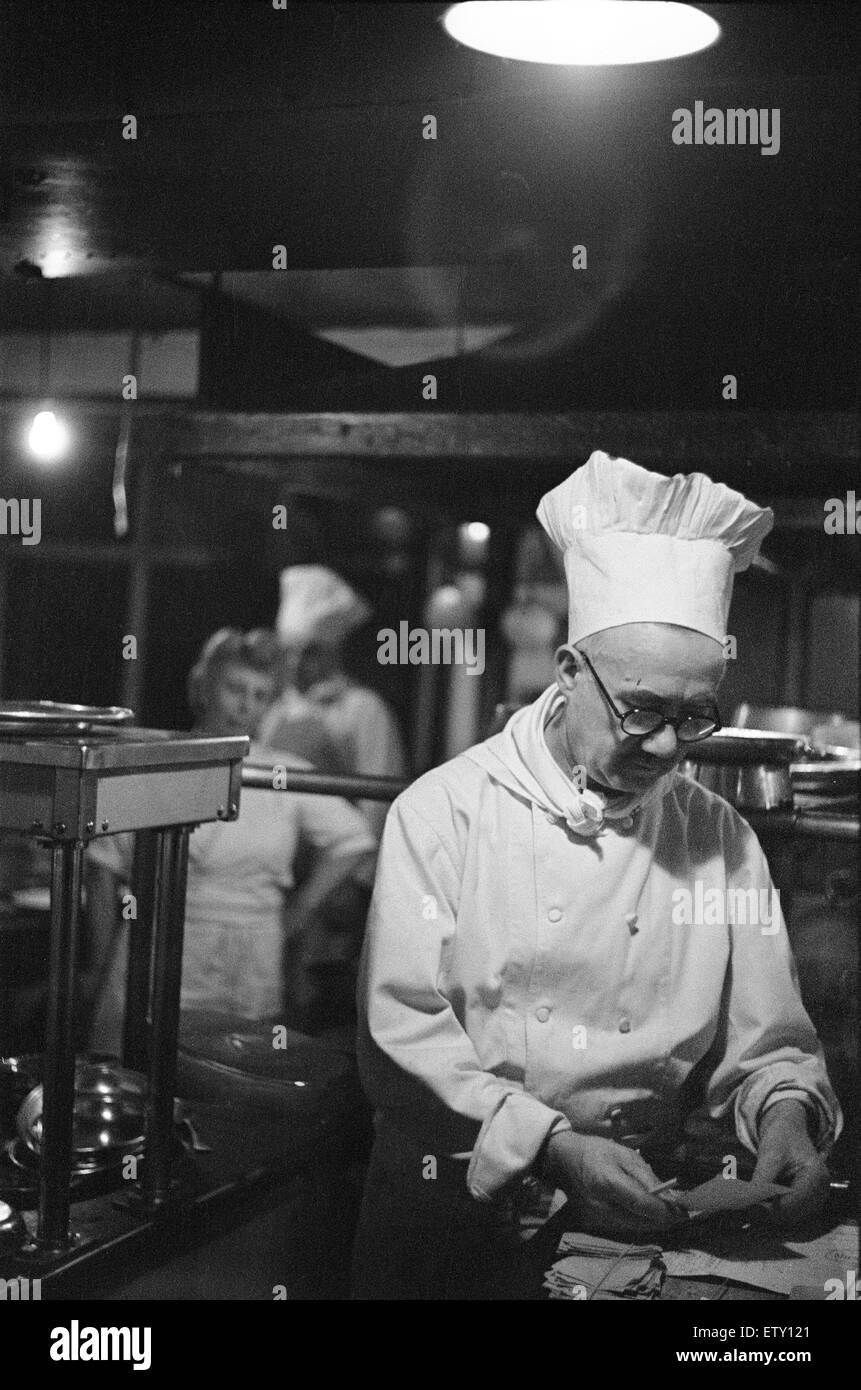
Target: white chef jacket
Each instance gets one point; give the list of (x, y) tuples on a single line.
[(496, 935), (360, 725)]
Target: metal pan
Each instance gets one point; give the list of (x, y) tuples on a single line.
[(19, 718), (743, 747)]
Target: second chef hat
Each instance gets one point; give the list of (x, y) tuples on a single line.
[(317, 605)]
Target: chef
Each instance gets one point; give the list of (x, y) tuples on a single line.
[(323, 714), (528, 1007)]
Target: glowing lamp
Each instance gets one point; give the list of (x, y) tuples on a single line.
[(586, 33)]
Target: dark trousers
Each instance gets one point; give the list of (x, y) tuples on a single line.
[(423, 1237)]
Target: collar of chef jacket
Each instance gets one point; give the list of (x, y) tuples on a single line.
[(520, 759)]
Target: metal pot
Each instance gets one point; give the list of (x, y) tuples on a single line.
[(270, 1093), (750, 768), (18, 1075), (109, 1115), (13, 1231), (239, 1064), (829, 783)]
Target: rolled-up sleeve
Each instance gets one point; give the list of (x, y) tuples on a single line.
[(378, 750), (113, 852), (330, 825), (414, 1054), (771, 1050), (333, 827)]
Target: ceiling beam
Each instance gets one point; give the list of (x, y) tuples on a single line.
[(716, 438)]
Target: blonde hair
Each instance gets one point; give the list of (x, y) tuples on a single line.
[(258, 650)]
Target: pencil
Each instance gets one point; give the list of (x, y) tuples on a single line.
[(663, 1186)]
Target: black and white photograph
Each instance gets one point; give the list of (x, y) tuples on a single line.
[(429, 608)]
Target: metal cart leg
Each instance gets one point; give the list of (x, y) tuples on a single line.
[(168, 926), (55, 1167), (136, 1053)]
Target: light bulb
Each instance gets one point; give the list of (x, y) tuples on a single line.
[(473, 537), (48, 438)]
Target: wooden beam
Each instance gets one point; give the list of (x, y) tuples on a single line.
[(101, 553), (669, 438), (714, 439), (13, 403)]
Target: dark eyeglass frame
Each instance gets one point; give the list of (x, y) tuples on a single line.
[(660, 719)]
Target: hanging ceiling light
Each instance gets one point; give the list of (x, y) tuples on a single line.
[(589, 33), (48, 438)]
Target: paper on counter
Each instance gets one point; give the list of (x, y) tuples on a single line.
[(839, 1245), (767, 1260)]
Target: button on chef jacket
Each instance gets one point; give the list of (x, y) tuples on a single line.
[(517, 977)]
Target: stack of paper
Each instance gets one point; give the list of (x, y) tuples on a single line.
[(596, 1268)]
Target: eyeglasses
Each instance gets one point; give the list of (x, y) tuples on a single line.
[(688, 728)]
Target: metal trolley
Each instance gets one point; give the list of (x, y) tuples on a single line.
[(69, 774)]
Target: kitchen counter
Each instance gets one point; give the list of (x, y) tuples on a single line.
[(256, 1162)]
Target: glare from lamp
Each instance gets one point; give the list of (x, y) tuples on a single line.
[(473, 537), (581, 33), (446, 608), (48, 438), (56, 263)]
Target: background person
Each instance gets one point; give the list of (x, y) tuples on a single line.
[(240, 872), (318, 610)]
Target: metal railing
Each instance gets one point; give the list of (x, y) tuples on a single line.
[(280, 777)]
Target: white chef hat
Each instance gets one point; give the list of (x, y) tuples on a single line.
[(317, 605), (642, 548)]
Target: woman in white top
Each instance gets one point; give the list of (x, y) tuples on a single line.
[(239, 871)]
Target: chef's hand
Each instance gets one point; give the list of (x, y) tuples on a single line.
[(609, 1185), (788, 1155)]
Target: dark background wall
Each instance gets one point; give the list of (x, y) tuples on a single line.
[(66, 608)]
